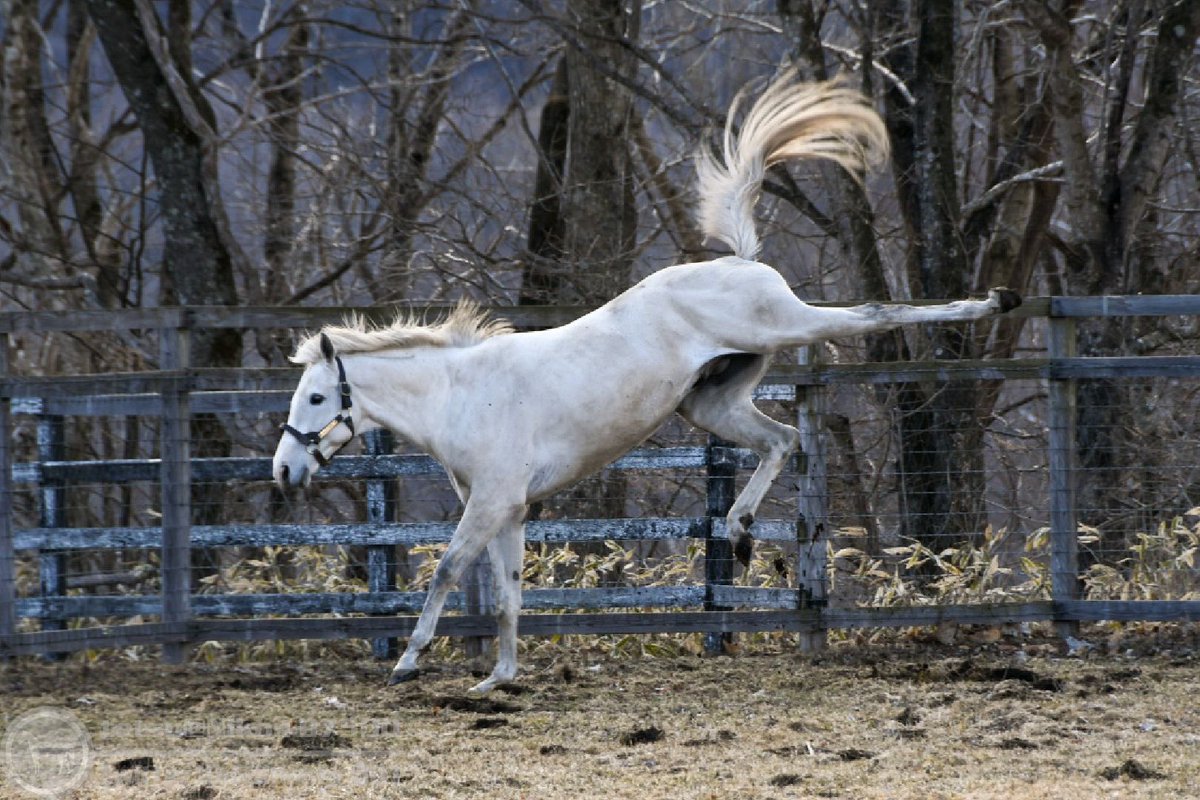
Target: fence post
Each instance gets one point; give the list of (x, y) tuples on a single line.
[(52, 566), (381, 508), (477, 586), (813, 506), (720, 471), (1061, 462), (175, 478), (8, 558)]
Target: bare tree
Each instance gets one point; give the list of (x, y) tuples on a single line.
[(319, 152), (1110, 243)]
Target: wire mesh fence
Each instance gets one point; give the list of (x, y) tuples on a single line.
[(921, 486)]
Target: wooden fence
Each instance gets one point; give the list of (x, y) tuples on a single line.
[(177, 391)]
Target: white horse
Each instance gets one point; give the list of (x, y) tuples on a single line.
[(515, 417)]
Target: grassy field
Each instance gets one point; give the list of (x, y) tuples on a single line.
[(1008, 719)]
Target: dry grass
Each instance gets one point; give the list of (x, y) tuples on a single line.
[(1009, 719)]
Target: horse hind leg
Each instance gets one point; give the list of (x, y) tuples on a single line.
[(722, 405)]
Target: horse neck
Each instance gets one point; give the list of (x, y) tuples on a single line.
[(400, 389)]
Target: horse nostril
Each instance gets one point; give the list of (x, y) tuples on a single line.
[(283, 473)]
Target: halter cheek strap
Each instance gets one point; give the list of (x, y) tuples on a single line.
[(312, 439)]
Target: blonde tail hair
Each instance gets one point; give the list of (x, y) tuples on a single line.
[(790, 120)]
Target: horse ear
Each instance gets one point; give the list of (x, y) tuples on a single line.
[(326, 348)]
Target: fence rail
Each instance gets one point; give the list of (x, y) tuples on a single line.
[(178, 391)]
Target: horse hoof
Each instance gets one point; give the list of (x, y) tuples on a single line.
[(1007, 299), (403, 676), (743, 548)]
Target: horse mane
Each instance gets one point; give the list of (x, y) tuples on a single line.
[(467, 325)]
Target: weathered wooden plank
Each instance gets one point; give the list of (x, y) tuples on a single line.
[(1061, 463), (765, 530), (363, 467), (8, 564), (560, 531), (99, 637), (775, 391), (389, 603), (813, 516), (226, 383), (871, 372), (381, 510), (108, 383), (175, 487), (1012, 369), (755, 597), (393, 602), (1125, 367), (313, 317), (1129, 610), (260, 317), (794, 620), (530, 625), (231, 389), (620, 623), (91, 320), (52, 564), (405, 533), (918, 616), (1125, 306), (350, 467), (112, 405), (720, 492)]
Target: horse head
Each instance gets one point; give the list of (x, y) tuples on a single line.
[(320, 421)]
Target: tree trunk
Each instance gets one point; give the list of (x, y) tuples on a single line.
[(1106, 206), (196, 265), (598, 209), (177, 128), (542, 278), (941, 486), (583, 213)]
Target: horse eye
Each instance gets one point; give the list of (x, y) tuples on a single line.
[(316, 399)]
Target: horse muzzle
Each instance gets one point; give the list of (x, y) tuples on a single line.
[(287, 477)]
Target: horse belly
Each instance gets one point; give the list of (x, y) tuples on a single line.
[(571, 446)]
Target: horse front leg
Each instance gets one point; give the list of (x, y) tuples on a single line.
[(480, 522), (507, 554)]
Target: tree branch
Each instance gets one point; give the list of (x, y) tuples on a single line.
[(1047, 172)]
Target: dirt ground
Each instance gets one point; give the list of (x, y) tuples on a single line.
[(906, 719)]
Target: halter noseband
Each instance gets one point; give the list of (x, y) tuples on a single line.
[(312, 439)]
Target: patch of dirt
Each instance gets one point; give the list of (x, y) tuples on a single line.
[(475, 705), (904, 721), (486, 723), (314, 741), (1132, 769), (642, 736), (855, 754)]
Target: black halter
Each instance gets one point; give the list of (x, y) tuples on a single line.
[(312, 439)]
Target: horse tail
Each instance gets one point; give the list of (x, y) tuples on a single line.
[(790, 120)]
